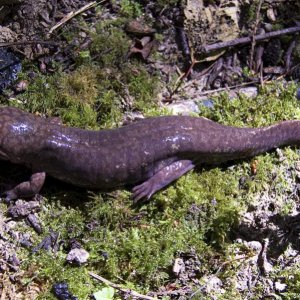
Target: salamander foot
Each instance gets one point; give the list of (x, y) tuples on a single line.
[(161, 179), (144, 190)]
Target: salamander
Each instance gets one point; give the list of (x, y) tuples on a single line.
[(148, 154)]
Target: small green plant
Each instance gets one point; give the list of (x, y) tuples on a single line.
[(110, 45), (130, 8), (105, 294)]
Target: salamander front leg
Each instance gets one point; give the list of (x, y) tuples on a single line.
[(26, 188), (161, 179)]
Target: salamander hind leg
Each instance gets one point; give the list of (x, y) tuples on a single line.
[(26, 188), (161, 179)]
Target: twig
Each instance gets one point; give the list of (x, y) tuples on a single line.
[(118, 287), (183, 291), (264, 266), (253, 35), (226, 88), (246, 40), (259, 51), (261, 77), (289, 72), (180, 79), (233, 260), (168, 100), (287, 57), (3, 294), (9, 44), (8, 264), (73, 14)]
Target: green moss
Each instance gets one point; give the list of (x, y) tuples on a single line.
[(248, 14), (47, 268), (91, 97), (101, 88), (130, 8), (276, 102), (291, 277), (110, 44)]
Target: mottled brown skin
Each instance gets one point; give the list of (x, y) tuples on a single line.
[(151, 153)]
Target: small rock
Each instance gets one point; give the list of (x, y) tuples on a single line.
[(297, 165), (139, 28), (10, 225), (131, 117), (178, 266), (271, 14), (48, 243), (161, 48), (10, 66), (34, 222), (291, 252), (82, 34), (254, 245), (280, 287), (25, 240), (23, 208), (208, 103), (7, 35), (61, 292), (183, 108), (268, 27), (73, 244), (77, 256), (21, 86), (280, 155), (250, 91), (213, 284)]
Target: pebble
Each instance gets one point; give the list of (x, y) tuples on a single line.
[(250, 91), (178, 266), (254, 245), (213, 284), (183, 108), (280, 287), (61, 291), (10, 66), (77, 256)]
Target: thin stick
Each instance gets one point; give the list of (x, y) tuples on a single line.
[(3, 294), (20, 43), (5, 262), (289, 72), (287, 57), (246, 40), (254, 32), (73, 14), (261, 76), (227, 88), (180, 79), (118, 287)]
